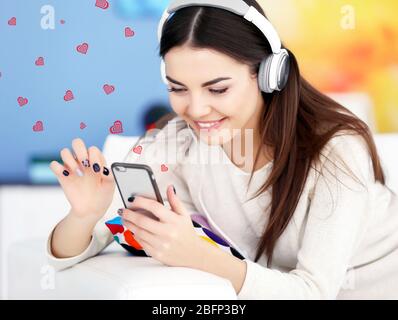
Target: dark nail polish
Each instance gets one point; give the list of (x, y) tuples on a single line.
[(120, 212), (131, 199), (96, 167), (86, 163), (66, 173), (174, 190), (195, 224), (106, 171)]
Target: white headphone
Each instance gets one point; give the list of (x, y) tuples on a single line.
[(274, 69)]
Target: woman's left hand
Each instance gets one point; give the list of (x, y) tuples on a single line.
[(172, 240)]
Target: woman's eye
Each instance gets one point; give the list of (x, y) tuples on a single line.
[(175, 90), (211, 90), (219, 91)]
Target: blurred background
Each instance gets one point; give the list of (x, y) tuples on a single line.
[(90, 68)]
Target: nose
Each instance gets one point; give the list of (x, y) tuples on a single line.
[(197, 107)]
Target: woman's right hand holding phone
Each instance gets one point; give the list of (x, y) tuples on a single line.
[(86, 181)]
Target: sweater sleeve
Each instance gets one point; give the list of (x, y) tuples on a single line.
[(340, 207), (100, 239)]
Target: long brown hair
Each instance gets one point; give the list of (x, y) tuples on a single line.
[(296, 123)]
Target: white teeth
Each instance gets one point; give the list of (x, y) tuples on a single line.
[(207, 125)]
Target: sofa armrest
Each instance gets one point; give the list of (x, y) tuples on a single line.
[(113, 274)]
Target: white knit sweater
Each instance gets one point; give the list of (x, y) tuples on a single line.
[(341, 243)]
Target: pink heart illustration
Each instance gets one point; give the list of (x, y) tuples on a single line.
[(82, 125), (38, 126), (22, 101), (12, 21), (164, 168), (137, 149), (68, 95), (82, 48), (116, 128), (128, 32), (103, 4), (39, 61), (108, 88)]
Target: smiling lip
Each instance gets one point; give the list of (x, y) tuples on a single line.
[(216, 124)]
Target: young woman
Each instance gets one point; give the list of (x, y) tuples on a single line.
[(311, 215)]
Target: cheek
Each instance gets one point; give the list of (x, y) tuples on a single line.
[(239, 104), (232, 104), (178, 104), (235, 102)]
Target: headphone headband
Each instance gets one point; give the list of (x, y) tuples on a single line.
[(238, 7)]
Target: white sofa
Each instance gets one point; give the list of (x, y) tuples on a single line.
[(113, 274)]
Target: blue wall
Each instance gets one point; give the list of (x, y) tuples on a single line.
[(130, 64)]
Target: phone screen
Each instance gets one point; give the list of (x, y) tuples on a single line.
[(136, 179)]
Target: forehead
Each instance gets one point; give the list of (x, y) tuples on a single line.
[(203, 62)]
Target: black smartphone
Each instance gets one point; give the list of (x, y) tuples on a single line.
[(136, 179)]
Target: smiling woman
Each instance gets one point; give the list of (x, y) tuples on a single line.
[(295, 127)]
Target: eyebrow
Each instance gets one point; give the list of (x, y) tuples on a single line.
[(208, 83)]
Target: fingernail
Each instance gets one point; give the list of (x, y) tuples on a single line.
[(66, 173), (120, 212), (79, 172), (131, 199), (174, 189), (96, 167), (106, 171), (86, 163)]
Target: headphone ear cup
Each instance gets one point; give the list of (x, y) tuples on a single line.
[(274, 72), (283, 70), (163, 71), (264, 73)]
